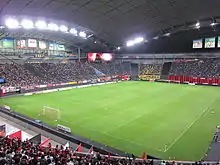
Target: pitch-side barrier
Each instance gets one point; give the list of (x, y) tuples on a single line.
[(67, 88)]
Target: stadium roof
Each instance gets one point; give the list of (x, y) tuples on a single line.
[(115, 21)]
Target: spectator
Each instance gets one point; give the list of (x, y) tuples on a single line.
[(205, 68)]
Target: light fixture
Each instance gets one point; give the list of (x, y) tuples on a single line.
[(63, 28), (213, 24), (12, 23), (130, 43), (53, 27), (138, 40), (118, 48), (73, 31), (82, 34), (197, 24), (41, 24), (167, 34), (156, 38), (27, 24)]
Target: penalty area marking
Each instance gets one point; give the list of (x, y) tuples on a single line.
[(167, 147)]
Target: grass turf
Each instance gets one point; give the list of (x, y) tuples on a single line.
[(164, 120)]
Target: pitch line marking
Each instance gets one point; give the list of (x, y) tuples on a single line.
[(171, 145)]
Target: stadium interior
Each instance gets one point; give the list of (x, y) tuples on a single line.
[(109, 82)]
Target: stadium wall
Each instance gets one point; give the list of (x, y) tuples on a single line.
[(194, 80), (27, 89)]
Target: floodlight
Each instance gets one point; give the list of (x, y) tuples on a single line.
[(130, 43), (12, 23), (197, 24), (213, 24), (82, 34), (118, 47), (63, 28), (73, 31), (167, 34), (155, 38), (41, 25), (27, 24), (53, 27), (139, 40)]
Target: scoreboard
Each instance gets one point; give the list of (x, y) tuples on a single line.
[(100, 57), (30, 43)]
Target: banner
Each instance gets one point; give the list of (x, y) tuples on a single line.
[(45, 143), (78, 148), (32, 43), (36, 139), (52, 46), (210, 42), (8, 43), (21, 44), (197, 44), (60, 47), (72, 83), (41, 86), (63, 128), (11, 89), (218, 42), (42, 44), (149, 77), (2, 130), (17, 134)]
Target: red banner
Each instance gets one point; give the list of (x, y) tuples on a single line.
[(195, 80)]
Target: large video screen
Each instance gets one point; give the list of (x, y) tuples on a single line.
[(21, 44), (42, 44), (197, 44), (100, 56), (60, 47), (210, 42), (52, 46), (32, 43), (8, 43), (219, 42)]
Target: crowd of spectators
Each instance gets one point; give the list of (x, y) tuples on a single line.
[(206, 68), (150, 69), (17, 75), (30, 74), (63, 72), (16, 152), (113, 68)]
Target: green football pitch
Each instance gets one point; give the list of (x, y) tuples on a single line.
[(164, 120)]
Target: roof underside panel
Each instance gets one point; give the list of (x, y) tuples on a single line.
[(116, 20)]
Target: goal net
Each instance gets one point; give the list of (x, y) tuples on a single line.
[(51, 113)]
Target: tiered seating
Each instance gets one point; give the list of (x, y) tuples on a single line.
[(150, 71), (58, 73), (207, 68), (17, 75), (113, 68), (14, 151)]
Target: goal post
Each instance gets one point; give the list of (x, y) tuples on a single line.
[(51, 113)]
